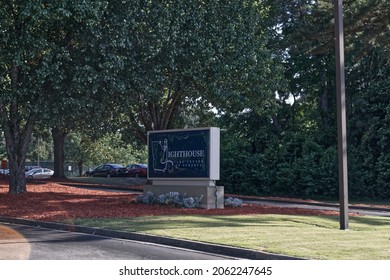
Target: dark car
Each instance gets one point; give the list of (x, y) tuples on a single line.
[(137, 170), (108, 170)]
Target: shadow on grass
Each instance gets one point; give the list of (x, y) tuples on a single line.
[(145, 224)]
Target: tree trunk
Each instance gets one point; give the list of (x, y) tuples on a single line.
[(17, 140), (59, 156), (17, 132), (155, 116), (80, 167), (17, 182)]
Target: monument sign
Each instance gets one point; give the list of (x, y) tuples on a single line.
[(186, 161), (184, 154)]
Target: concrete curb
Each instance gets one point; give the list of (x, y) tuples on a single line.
[(193, 245)]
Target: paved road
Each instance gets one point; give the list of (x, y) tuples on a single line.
[(322, 206), (26, 242)]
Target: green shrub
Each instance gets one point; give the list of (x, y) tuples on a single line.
[(173, 199), (233, 202)]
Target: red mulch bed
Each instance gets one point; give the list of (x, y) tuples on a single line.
[(53, 200)]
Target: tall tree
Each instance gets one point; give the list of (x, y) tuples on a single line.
[(22, 64), (73, 82), (299, 158), (189, 52), (36, 62)]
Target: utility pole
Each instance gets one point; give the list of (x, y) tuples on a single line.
[(341, 115)]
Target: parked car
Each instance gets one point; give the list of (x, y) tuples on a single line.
[(108, 170), (137, 170), (30, 167), (4, 171), (39, 173)]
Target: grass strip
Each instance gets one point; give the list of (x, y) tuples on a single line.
[(313, 237)]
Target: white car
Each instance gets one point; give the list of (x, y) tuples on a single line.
[(39, 173), (4, 171)]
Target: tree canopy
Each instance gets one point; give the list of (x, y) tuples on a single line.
[(299, 158), (106, 72)]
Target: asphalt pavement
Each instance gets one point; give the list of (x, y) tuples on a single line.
[(225, 252), (357, 209), (37, 243)]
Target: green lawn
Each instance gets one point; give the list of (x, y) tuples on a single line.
[(313, 237)]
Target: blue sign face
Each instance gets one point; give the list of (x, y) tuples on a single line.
[(179, 154)]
